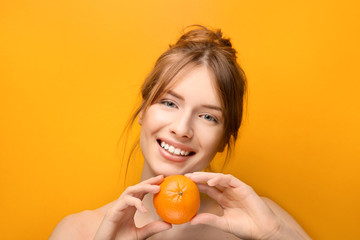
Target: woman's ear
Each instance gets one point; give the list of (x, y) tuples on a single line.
[(140, 117)]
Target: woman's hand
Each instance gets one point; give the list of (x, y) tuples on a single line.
[(119, 223), (245, 214)]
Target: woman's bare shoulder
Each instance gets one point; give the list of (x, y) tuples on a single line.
[(279, 211), (82, 225), (285, 217)]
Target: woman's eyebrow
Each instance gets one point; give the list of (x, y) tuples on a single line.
[(214, 107), (175, 95)]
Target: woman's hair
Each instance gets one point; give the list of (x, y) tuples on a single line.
[(197, 47), (200, 46)]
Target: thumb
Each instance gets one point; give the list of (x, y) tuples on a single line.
[(211, 220), (153, 228)]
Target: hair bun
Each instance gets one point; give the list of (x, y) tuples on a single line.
[(200, 34)]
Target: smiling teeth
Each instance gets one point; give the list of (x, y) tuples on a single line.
[(173, 150)]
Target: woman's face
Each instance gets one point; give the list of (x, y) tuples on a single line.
[(183, 131)]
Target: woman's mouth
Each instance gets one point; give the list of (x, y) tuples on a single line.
[(174, 150)]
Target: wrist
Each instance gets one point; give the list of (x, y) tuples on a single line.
[(278, 233), (285, 232), (275, 231)]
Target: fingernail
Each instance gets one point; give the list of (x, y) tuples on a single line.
[(210, 183), (156, 189)]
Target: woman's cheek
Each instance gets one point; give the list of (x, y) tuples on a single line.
[(211, 136), (159, 117)]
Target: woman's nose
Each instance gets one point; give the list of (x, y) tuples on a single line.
[(182, 126)]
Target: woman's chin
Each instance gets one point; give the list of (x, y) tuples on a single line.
[(170, 172), (173, 171)]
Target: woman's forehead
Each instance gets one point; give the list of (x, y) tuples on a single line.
[(198, 84)]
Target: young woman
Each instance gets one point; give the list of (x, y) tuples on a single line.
[(192, 108)]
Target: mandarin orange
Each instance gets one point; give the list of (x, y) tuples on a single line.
[(178, 200)]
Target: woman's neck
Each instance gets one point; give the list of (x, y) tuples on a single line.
[(147, 172)]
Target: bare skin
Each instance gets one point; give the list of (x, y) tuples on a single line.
[(88, 224), (188, 118)]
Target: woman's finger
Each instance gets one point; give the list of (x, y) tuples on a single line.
[(154, 180), (213, 179), (212, 192), (152, 228), (225, 181), (116, 211), (201, 176), (135, 202), (142, 189), (211, 220)]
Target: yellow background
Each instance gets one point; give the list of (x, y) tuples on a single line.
[(70, 72)]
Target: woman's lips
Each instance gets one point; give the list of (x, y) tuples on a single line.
[(171, 156), (173, 150), (176, 145)]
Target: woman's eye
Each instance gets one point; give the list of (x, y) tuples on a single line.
[(168, 103), (209, 118)]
